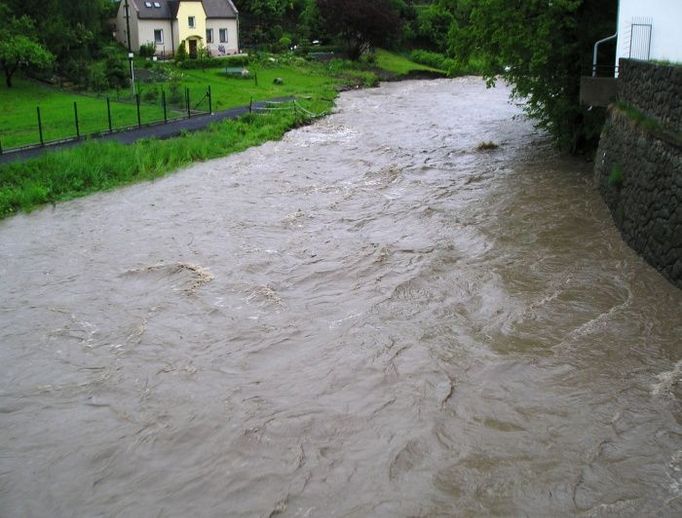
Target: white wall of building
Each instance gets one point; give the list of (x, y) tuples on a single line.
[(217, 48), (665, 17), (121, 30), (146, 30)]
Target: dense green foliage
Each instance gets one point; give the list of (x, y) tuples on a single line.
[(543, 47), (74, 32), (359, 24), (19, 47)]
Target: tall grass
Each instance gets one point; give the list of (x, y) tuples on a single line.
[(98, 166)]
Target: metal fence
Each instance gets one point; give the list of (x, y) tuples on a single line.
[(163, 110)]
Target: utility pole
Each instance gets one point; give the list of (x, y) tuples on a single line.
[(130, 49), (128, 25)]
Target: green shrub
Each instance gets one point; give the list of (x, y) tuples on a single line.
[(150, 94), (434, 59), (181, 55), (147, 50), (97, 77), (75, 70), (117, 72), (227, 61), (284, 43)]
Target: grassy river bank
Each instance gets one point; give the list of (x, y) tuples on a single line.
[(98, 166)]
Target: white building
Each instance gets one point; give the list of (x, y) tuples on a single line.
[(650, 30), (212, 24)]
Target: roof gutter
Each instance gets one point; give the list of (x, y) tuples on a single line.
[(594, 52)]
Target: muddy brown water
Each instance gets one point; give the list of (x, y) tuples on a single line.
[(368, 318)]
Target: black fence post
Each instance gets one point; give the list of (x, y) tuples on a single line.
[(189, 113), (255, 77), (75, 115), (251, 105), (139, 119), (109, 115), (163, 100), (210, 103), (0, 147), (40, 126)]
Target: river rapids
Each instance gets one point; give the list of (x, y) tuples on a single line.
[(370, 317)]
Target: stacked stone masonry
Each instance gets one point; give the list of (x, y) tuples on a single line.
[(655, 89), (639, 174)]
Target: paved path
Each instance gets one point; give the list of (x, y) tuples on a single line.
[(161, 131)]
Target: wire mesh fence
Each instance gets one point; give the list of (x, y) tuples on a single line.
[(61, 122)]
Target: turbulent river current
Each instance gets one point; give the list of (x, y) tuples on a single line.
[(371, 317)]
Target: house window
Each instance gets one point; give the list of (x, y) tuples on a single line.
[(223, 35), (209, 35), (158, 36), (191, 22)]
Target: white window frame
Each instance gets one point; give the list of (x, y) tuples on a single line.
[(160, 41), (191, 22), (209, 35), (222, 32)]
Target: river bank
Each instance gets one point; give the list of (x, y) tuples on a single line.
[(102, 164), (354, 320)]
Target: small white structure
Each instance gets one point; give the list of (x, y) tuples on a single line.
[(650, 30)]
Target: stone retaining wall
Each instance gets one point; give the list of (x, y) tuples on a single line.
[(639, 174), (655, 89)]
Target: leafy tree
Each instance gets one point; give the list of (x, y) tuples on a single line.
[(73, 31), (432, 26), (360, 24), (18, 47), (543, 45), (260, 19)]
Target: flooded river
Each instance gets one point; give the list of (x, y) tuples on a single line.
[(368, 318)]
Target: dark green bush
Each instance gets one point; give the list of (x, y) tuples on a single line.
[(97, 77), (150, 94), (227, 61), (117, 72), (181, 55), (147, 50)]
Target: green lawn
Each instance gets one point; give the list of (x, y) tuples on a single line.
[(19, 122), (19, 119), (228, 92)]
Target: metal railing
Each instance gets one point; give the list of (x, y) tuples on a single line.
[(186, 108)]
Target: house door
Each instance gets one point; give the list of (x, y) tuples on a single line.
[(193, 49)]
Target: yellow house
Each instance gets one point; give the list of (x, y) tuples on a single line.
[(211, 24)]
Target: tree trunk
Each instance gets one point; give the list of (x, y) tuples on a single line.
[(9, 71)]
